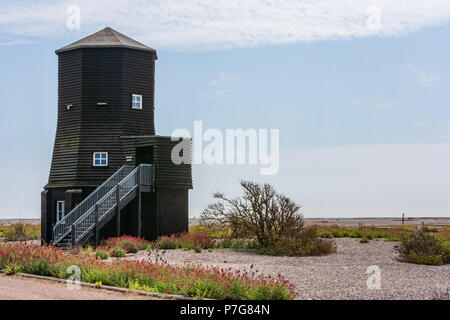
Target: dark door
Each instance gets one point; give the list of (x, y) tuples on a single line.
[(144, 155)]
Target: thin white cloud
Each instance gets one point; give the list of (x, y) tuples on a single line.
[(205, 24), (371, 104), (224, 84), (224, 78), (421, 77)]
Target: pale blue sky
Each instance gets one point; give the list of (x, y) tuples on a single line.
[(364, 116)]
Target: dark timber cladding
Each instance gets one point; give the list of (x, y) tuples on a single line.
[(94, 109), (97, 79), (168, 174)]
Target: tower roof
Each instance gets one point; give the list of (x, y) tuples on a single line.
[(106, 38)]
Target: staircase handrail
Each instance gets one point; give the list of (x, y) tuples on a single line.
[(106, 196), (63, 226)]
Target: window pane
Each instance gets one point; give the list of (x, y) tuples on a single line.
[(103, 155), (136, 101)]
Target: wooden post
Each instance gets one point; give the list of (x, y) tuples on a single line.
[(73, 234), (139, 201), (96, 225), (403, 218), (118, 209)]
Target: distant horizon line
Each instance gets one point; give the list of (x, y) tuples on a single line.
[(309, 218)]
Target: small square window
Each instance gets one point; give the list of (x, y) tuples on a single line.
[(136, 101), (100, 159)]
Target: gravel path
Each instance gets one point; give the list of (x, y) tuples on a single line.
[(17, 288), (341, 275)]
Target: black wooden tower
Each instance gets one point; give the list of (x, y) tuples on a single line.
[(110, 173)]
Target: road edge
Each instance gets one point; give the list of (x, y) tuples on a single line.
[(163, 296)]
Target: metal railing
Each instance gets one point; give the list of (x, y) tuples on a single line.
[(110, 201), (63, 227), (147, 175)]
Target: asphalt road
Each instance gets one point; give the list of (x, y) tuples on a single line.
[(17, 288)]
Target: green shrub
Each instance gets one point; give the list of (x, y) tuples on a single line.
[(166, 243), (380, 235), (235, 244), (102, 254), (337, 234), (20, 231), (129, 243), (197, 249), (325, 235), (253, 245), (364, 240), (212, 230), (118, 252), (184, 241), (304, 244), (345, 234), (369, 236), (356, 234), (392, 239), (15, 233), (225, 243), (423, 248), (12, 268), (424, 259), (265, 293)]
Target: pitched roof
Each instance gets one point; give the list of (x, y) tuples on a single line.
[(106, 38)]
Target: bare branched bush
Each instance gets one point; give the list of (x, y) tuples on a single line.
[(271, 218), (261, 212)]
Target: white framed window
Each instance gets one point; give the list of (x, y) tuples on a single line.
[(136, 101), (60, 210), (100, 159)]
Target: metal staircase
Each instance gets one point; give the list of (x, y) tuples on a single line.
[(88, 217)]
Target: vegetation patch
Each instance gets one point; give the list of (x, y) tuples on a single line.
[(20, 231), (128, 243), (424, 248), (271, 221), (12, 268), (212, 230), (192, 280), (392, 233), (118, 252), (101, 254), (186, 241)]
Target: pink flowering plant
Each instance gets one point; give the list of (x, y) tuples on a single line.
[(129, 243), (191, 280), (185, 241)]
